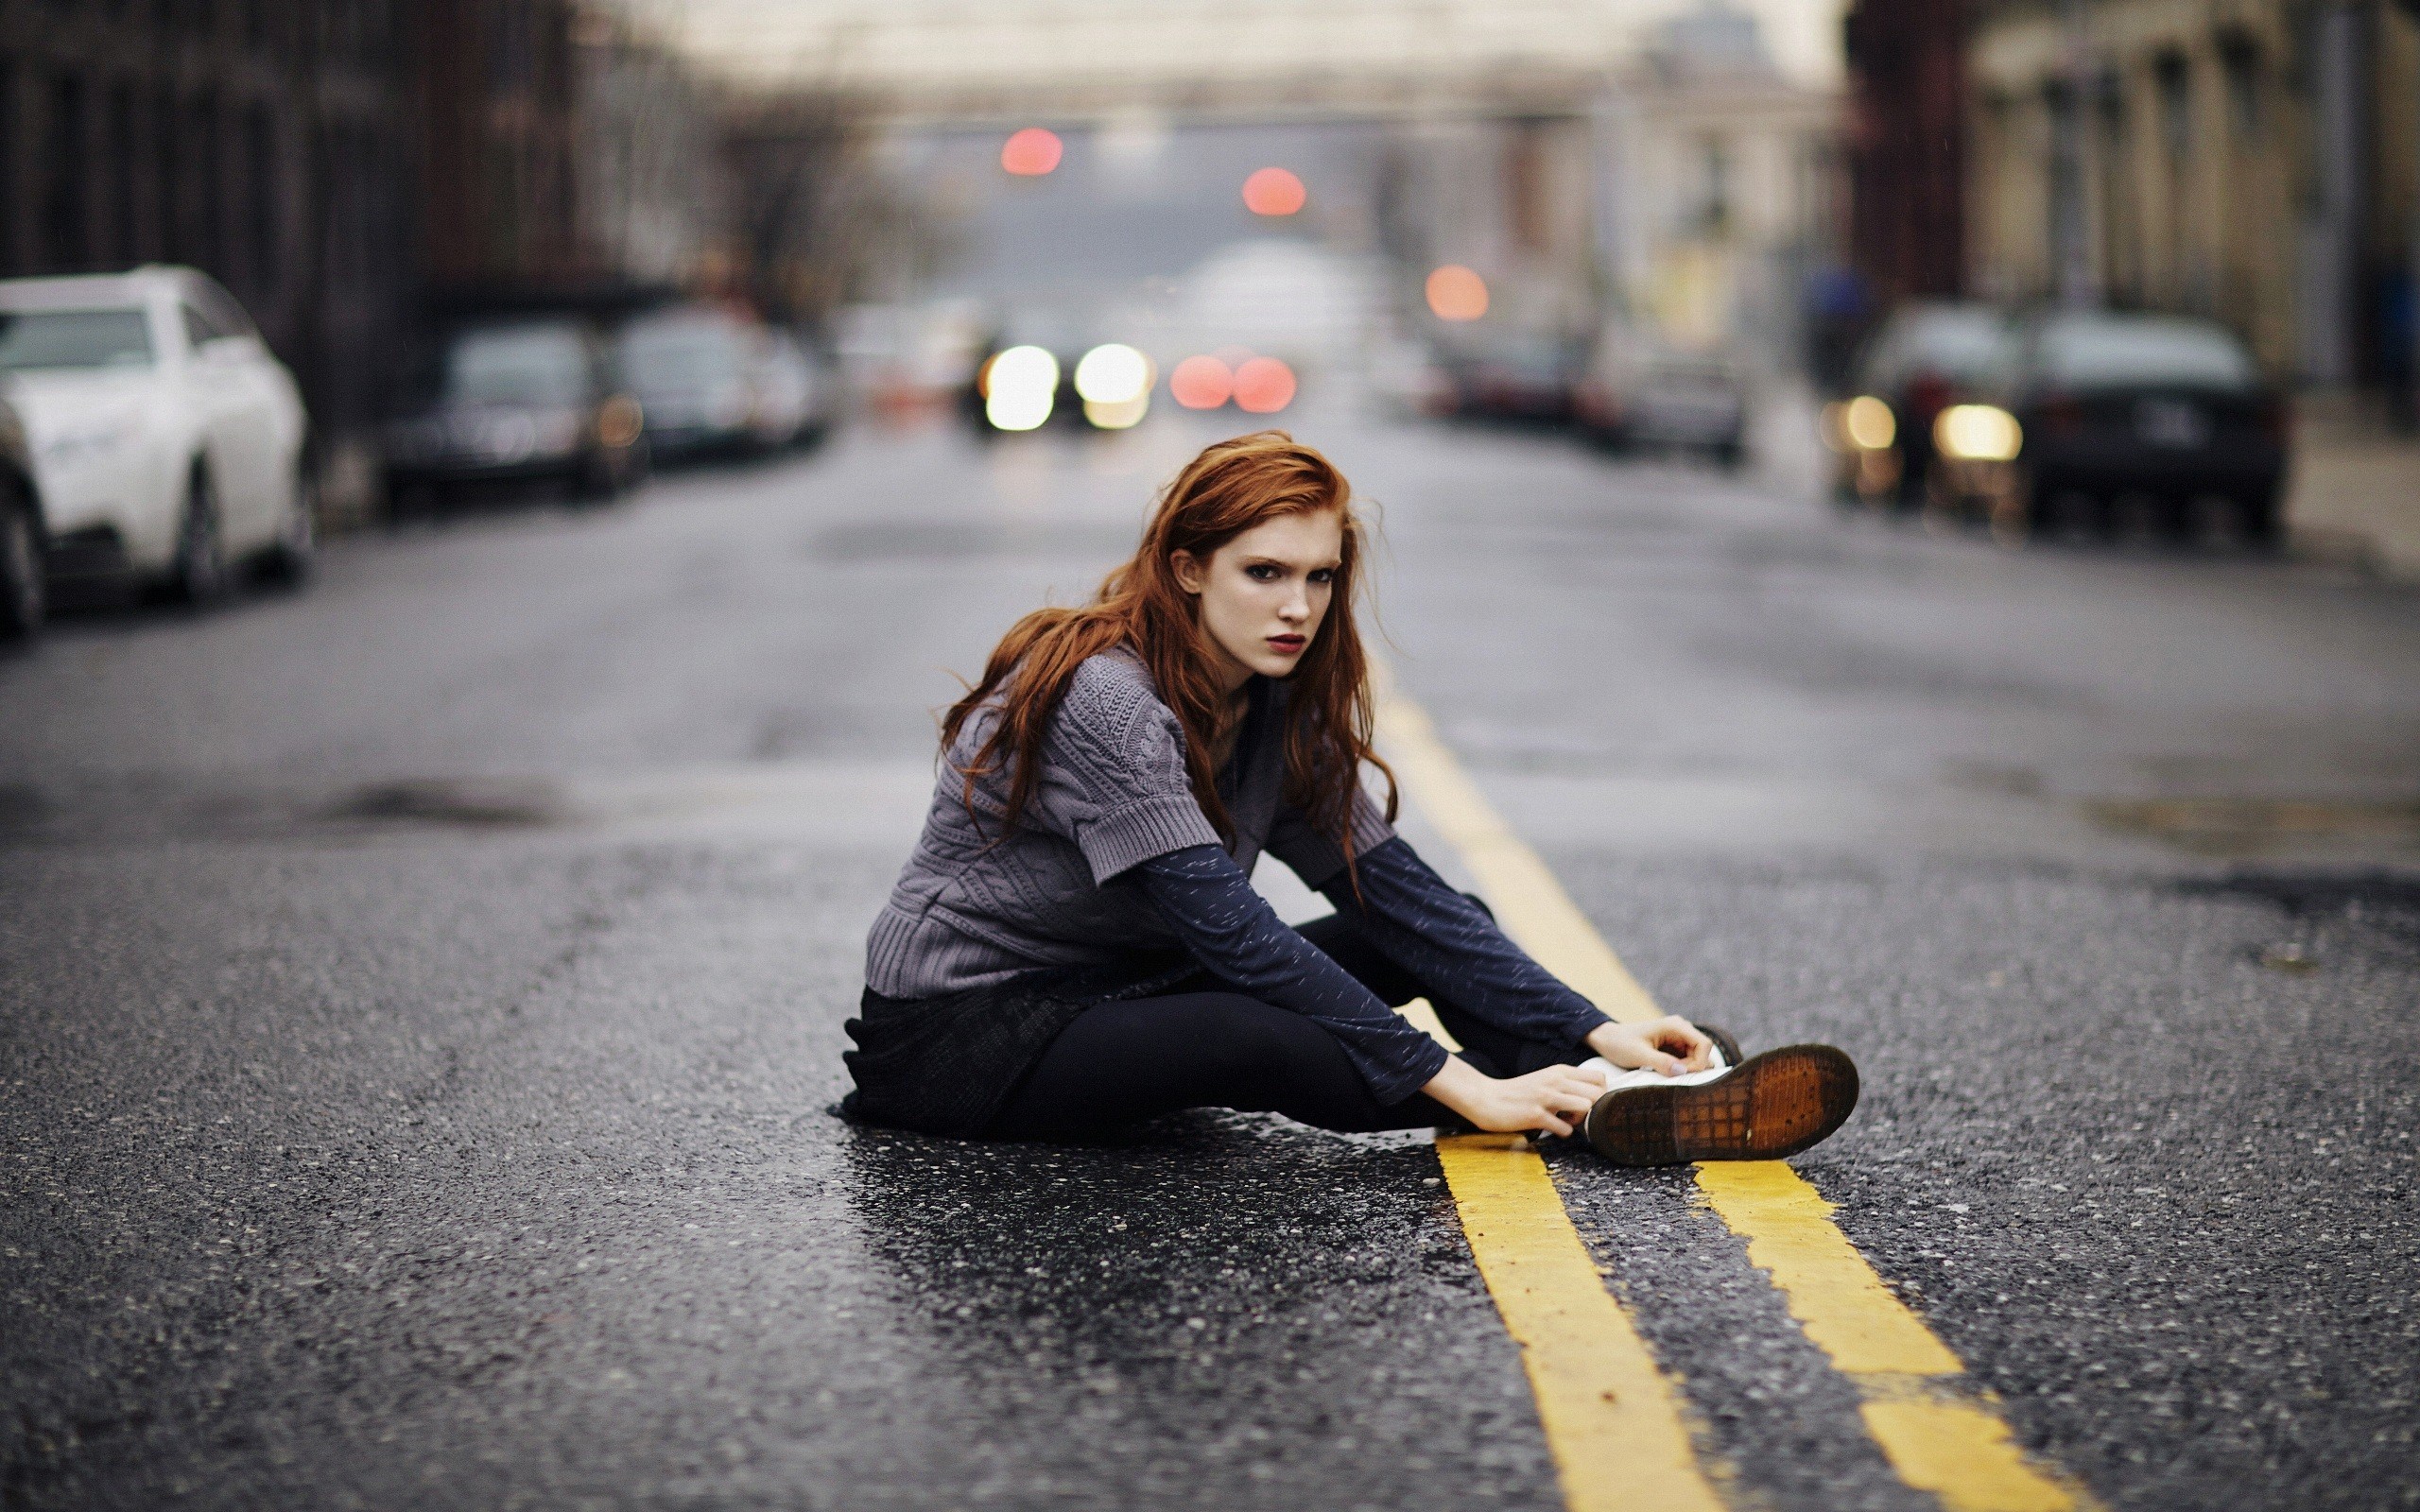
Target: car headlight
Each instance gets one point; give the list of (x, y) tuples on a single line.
[(1869, 423), (1020, 385), (1113, 374), (1977, 433)]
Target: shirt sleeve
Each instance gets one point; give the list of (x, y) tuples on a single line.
[(1453, 946), (1209, 901), (1312, 854)]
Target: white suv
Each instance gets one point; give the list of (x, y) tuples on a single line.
[(167, 439)]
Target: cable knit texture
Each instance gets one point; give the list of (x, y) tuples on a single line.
[(977, 904)]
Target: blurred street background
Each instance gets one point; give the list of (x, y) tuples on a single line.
[(1912, 508)]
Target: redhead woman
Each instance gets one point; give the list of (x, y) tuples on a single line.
[(1076, 946)]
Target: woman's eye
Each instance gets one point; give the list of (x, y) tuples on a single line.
[(1260, 572), (1324, 575)]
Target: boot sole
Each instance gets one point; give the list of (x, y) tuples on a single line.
[(1777, 1103)]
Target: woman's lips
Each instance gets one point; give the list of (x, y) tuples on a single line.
[(1288, 645)]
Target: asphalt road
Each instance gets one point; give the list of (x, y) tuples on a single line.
[(420, 1003)]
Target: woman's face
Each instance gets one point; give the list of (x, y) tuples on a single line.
[(1265, 594)]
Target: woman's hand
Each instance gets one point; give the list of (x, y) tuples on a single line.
[(1671, 1044), (1552, 1101)]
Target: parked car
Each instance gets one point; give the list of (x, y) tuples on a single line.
[(1925, 358), (166, 440), (520, 398), (1521, 376), (711, 381), (2093, 407), (1637, 391), (802, 392), (24, 598)]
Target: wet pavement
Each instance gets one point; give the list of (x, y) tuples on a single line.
[(423, 1001)]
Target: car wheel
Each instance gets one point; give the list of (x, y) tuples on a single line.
[(2092, 516), (197, 573), (291, 557), (2262, 518), (601, 480), (2176, 519), (23, 596)]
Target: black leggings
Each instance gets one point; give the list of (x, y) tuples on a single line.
[(1122, 1063)]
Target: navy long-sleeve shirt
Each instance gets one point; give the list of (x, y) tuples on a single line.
[(1409, 913)]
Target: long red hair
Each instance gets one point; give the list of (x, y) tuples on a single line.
[(1229, 489)]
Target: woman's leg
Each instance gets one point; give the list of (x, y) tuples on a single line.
[(1123, 1062), (1494, 1051)]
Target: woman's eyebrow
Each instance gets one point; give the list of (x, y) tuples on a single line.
[(1330, 565)]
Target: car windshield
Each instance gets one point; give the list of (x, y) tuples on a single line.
[(1960, 345), (516, 365), (2104, 353), (35, 339), (687, 355)]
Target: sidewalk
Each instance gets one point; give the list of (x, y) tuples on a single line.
[(2356, 487)]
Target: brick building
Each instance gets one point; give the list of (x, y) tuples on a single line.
[(2258, 161), (331, 161), (1906, 143)]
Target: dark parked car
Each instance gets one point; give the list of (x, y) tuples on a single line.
[(1925, 358), (528, 399), (2094, 407), (1517, 376), (23, 544)]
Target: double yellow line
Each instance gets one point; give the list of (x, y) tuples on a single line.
[(1612, 1417)]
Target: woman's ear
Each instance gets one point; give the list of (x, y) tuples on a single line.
[(1187, 568)]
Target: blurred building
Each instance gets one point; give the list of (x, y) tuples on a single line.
[(1905, 146), (2258, 161), (491, 93), (1724, 185), (654, 192), (268, 144), (343, 164)]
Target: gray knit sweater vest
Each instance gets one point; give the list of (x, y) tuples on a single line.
[(974, 906)]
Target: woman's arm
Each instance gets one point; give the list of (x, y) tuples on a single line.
[(1452, 946), (1231, 928), (1209, 901)]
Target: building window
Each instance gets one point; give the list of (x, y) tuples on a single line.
[(1714, 186), (203, 189), (261, 181), (2174, 75), (167, 222), (126, 213), (2239, 57), (68, 158), (8, 160)]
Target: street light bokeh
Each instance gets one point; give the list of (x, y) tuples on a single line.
[(1273, 191), (1264, 385), (1020, 385), (1456, 293), (1202, 382), (1031, 153)]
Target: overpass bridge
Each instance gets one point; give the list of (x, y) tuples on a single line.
[(978, 64)]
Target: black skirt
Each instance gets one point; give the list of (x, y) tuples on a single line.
[(946, 1065)]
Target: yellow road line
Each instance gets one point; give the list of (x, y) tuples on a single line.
[(1612, 1421), (1939, 1433)]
